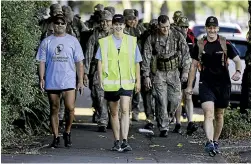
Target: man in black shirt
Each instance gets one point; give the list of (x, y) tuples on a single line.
[(211, 55)]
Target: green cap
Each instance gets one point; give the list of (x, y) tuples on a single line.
[(176, 15), (106, 15), (129, 14), (183, 21)]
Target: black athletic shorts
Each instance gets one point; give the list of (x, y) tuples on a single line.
[(115, 95), (59, 91), (220, 95)]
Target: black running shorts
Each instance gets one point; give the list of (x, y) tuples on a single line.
[(115, 95), (220, 95)]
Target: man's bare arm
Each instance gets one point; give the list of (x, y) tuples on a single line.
[(192, 73), (41, 70), (80, 71)]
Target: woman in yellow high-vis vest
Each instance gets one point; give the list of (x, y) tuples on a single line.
[(119, 75)]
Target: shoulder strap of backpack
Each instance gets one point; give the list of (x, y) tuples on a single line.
[(201, 48), (223, 43)]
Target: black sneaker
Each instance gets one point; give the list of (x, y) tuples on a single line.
[(102, 129), (125, 146), (116, 146), (163, 133), (67, 139), (55, 142), (177, 129), (216, 147), (191, 127)]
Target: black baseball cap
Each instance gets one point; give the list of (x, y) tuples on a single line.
[(118, 18), (211, 21)]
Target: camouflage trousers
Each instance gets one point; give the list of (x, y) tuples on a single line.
[(147, 99), (99, 103), (167, 93), (149, 104)]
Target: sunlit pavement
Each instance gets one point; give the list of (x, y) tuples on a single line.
[(89, 112)]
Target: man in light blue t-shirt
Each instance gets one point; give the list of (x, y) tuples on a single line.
[(61, 57)]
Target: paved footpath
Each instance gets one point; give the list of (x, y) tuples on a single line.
[(90, 146)]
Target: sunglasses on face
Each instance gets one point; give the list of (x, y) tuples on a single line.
[(184, 27), (59, 23)]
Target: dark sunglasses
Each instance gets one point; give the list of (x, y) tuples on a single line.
[(59, 23), (184, 27)]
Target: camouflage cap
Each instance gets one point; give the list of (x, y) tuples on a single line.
[(183, 21), (99, 7), (111, 9), (106, 15), (55, 9), (176, 15), (129, 14)]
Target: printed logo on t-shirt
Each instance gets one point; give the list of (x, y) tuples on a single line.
[(59, 55), (59, 49)]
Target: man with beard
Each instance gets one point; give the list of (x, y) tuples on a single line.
[(97, 93), (60, 56), (118, 77), (210, 57), (164, 53)]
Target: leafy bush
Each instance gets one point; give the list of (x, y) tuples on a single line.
[(236, 125), (21, 97)]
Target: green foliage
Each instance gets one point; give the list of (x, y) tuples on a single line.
[(236, 125), (21, 97)]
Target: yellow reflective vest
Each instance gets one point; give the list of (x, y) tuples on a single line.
[(118, 68)]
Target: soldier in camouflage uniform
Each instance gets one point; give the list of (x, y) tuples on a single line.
[(164, 53), (148, 99), (97, 93), (186, 98), (46, 24), (134, 29)]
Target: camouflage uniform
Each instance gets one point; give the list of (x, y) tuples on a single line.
[(161, 59), (137, 32), (97, 93), (148, 99)]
